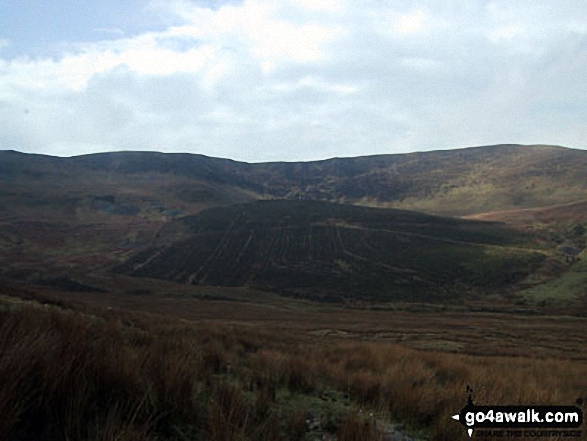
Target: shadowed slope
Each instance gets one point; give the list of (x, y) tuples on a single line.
[(332, 251), (451, 182), (84, 214)]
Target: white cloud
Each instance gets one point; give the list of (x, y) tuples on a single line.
[(255, 27), (411, 22), (140, 54), (426, 65), (112, 31), (321, 5), (505, 33), (294, 79), (316, 84)]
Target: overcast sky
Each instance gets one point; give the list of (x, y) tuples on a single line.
[(266, 80)]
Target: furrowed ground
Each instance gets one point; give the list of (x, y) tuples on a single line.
[(147, 296)]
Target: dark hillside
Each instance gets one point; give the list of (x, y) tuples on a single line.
[(451, 182), (67, 217), (333, 252)]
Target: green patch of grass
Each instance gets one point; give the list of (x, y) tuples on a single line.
[(566, 289), (499, 266)]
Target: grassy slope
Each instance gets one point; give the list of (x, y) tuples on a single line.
[(570, 287), (453, 182), (331, 252), (71, 215), (560, 225), (560, 281), (108, 187), (82, 373)]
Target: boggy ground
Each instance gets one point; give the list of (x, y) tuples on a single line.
[(95, 366)]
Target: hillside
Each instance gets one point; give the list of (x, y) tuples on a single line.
[(149, 184), (107, 187), (561, 223), (563, 277), (452, 182), (64, 219), (334, 252)]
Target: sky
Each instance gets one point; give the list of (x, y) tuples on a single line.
[(290, 80)]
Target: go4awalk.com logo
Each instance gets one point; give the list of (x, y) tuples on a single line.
[(521, 421)]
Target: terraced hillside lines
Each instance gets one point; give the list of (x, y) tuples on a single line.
[(333, 252), (99, 210), (216, 254), (443, 239)]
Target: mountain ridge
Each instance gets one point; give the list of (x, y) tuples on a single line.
[(65, 218), (447, 182)]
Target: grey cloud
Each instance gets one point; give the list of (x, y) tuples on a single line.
[(477, 72)]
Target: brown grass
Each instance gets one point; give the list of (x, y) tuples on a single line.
[(356, 427), (73, 374)]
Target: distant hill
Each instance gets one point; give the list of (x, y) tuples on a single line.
[(86, 214), (332, 252), (108, 186), (451, 182)]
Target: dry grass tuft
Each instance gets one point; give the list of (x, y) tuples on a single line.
[(73, 374), (355, 427)]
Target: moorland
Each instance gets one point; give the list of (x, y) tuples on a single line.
[(174, 296)]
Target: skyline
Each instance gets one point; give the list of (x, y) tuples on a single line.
[(295, 80)]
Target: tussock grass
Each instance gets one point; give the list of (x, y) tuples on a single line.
[(73, 374), (356, 427)]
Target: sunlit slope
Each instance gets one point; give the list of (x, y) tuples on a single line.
[(331, 252), (569, 288), (562, 280), (561, 223), (149, 184), (451, 182), (91, 212)]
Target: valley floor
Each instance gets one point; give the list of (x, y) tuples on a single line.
[(239, 365)]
